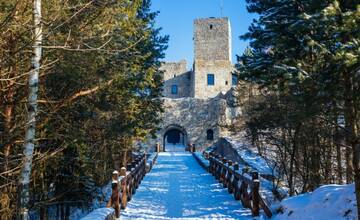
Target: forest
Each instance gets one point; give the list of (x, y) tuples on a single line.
[(302, 86), (89, 72)]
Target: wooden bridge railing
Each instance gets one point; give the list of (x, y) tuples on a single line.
[(125, 183), (245, 186)]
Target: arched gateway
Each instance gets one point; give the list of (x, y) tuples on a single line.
[(174, 138)]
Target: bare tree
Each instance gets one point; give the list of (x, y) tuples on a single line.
[(29, 142)]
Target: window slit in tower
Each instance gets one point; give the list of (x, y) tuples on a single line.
[(210, 135)]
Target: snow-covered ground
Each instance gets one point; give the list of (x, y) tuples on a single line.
[(101, 213), (329, 202), (178, 188), (251, 157)]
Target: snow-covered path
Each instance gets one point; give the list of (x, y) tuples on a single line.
[(178, 188)]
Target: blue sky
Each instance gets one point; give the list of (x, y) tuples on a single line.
[(176, 18)]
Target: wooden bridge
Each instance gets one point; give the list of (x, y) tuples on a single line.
[(178, 187)]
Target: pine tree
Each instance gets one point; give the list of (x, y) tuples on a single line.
[(308, 51)]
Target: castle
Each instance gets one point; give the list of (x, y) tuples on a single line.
[(199, 103)]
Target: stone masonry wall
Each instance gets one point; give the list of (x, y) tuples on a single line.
[(175, 73), (222, 73), (195, 117), (212, 39)]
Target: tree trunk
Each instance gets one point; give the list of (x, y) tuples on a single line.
[(315, 158), (352, 136), (328, 157), (337, 143), (356, 163), (43, 207), (24, 194), (349, 165)]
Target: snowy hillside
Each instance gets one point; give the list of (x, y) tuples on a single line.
[(329, 202), (251, 159), (250, 156)]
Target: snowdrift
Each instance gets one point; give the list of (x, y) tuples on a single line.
[(329, 202)]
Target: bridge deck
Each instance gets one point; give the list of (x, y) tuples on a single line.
[(178, 188)]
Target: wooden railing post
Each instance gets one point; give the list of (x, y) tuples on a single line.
[(115, 175), (229, 177), (255, 194), (139, 167), (215, 164), (245, 197), (237, 191), (129, 181), (206, 155), (211, 163), (223, 172), (157, 148), (236, 166), (144, 167), (218, 167), (115, 195), (245, 170), (134, 166), (123, 188)]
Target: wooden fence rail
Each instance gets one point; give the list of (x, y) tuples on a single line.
[(244, 185), (125, 183)]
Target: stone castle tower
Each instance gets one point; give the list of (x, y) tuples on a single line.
[(196, 102), (212, 64)]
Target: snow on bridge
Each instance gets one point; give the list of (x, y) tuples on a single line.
[(179, 188)]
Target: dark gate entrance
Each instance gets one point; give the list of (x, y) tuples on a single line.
[(174, 139), (173, 136)]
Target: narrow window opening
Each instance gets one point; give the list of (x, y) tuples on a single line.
[(210, 135), (211, 26), (174, 89)]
